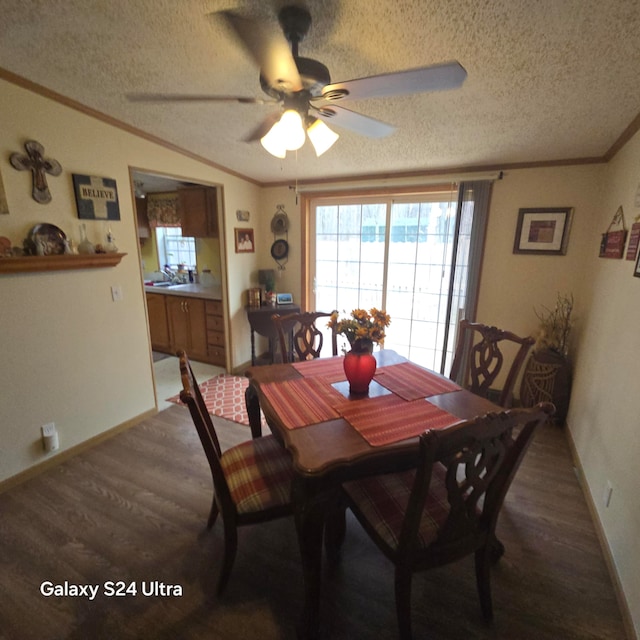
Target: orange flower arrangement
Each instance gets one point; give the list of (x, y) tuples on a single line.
[(363, 328)]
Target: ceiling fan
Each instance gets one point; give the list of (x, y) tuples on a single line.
[(303, 88)]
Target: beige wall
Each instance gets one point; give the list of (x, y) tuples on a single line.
[(604, 417), (70, 354), (73, 356)]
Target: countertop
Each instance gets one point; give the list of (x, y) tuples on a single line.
[(188, 290)]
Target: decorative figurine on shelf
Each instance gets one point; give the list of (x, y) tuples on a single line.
[(110, 247)]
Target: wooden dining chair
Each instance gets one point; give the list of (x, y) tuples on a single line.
[(251, 481), (478, 360), (299, 337), (448, 507)]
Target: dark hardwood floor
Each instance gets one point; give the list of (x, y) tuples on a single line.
[(133, 509)]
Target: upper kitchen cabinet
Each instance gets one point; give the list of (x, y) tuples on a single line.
[(143, 221), (198, 209)]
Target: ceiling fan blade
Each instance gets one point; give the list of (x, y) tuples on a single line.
[(264, 127), (269, 49), (177, 97), (356, 122), (449, 75)]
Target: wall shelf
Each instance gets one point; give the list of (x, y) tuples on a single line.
[(28, 264)]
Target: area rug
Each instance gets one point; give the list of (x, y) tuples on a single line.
[(224, 397)]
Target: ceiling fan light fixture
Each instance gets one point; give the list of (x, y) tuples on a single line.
[(273, 143), (322, 138), (290, 130)]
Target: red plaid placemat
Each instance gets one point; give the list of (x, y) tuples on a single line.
[(412, 382), (389, 418), (301, 402), (331, 369)]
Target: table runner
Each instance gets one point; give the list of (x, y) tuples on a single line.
[(331, 369), (412, 382), (304, 401), (389, 418)]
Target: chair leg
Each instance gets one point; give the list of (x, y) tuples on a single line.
[(483, 557), (497, 549), (213, 514), (403, 602), (230, 548), (253, 411)]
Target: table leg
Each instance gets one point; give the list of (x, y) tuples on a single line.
[(253, 411), (253, 349), (310, 509)]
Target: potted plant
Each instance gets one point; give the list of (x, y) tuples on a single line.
[(362, 329), (548, 372), (270, 289)]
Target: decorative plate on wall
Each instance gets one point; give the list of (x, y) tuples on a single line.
[(280, 223), (48, 240), (279, 250)]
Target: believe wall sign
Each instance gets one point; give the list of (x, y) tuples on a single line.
[(96, 198)]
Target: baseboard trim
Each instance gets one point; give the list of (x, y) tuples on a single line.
[(65, 455), (604, 543)]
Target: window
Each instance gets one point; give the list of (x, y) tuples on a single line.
[(173, 249), (409, 256)]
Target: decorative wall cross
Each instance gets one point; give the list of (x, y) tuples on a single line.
[(35, 162)]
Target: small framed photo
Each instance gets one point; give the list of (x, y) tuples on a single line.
[(244, 241), (543, 231), (636, 272)]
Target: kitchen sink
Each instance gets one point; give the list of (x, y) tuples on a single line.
[(165, 284)]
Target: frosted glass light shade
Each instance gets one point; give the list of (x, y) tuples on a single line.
[(322, 138), (273, 143), (291, 130)]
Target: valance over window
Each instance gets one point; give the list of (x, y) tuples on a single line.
[(162, 209)]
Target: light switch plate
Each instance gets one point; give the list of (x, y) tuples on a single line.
[(116, 293)]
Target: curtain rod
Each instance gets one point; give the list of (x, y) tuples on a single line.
[(413, 181)]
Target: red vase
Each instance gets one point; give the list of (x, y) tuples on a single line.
[(359, 367)]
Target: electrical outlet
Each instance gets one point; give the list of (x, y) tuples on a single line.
[(116, 293), (48, 429), (50, 440), (608, 493)]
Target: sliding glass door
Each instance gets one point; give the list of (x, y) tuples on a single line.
[(407, 255)]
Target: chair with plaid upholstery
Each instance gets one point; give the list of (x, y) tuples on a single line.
[(478, 359), (448, 507), (299, 338), (251, 481)]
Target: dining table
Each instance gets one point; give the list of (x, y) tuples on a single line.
[(335, 436)]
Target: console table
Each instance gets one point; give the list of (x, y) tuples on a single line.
[(260, 322)]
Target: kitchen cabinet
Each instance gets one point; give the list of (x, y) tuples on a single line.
[(215, 333), (158, 323), (187, 326), (144, 231), (198, 209), (184, 322)]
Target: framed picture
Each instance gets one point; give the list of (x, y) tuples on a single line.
[(96, 198), (636, 271), (634, 241), (244, 241), (543, 231), (4, 206)]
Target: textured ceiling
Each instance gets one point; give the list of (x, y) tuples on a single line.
[(548, 80)]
